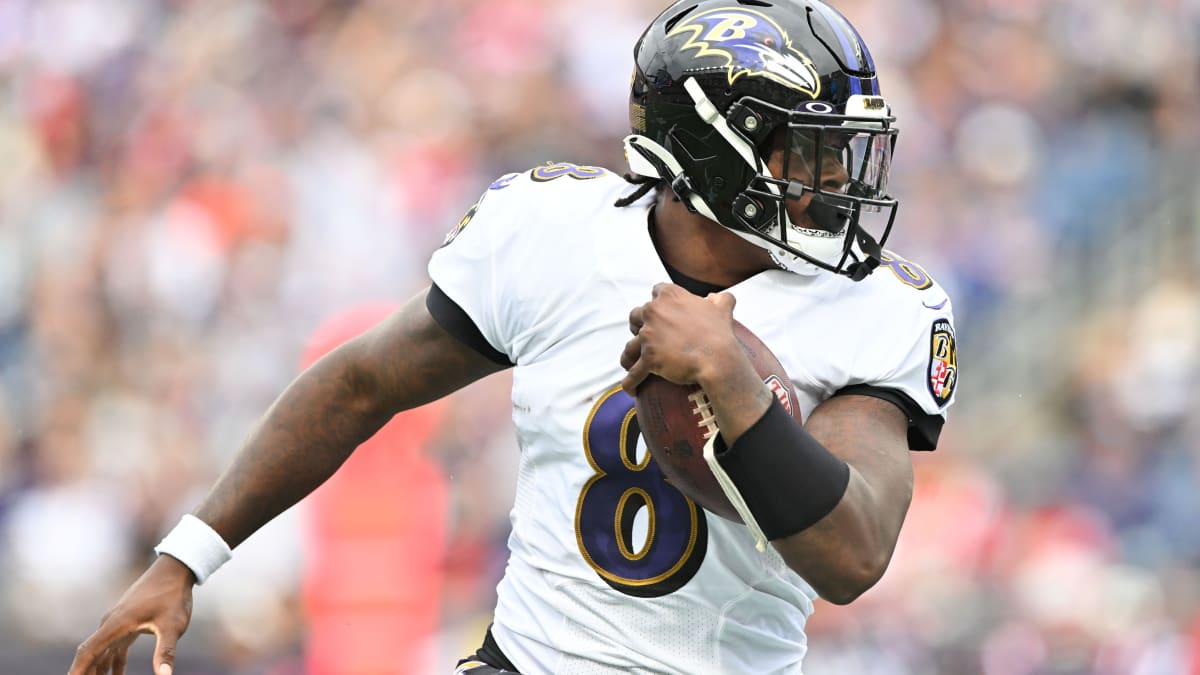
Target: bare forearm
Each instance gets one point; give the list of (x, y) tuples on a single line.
[(849, 549), (310, 430), (843, 553), (737, 394), (405, 361), (342, 400), (852, 456)]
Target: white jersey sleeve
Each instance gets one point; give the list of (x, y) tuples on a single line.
[(508, 263), (928, 371), (469, 267), (914, 337), (908, 347), (890, 336)]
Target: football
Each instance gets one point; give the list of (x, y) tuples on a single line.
[(677, 420)]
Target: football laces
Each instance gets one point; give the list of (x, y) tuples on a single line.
[(702, 408)]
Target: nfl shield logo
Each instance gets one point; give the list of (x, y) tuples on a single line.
[(776, 386)]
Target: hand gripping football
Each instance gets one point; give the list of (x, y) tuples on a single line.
[(677, 420)]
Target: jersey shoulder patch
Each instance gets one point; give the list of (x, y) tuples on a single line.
[(942, 373), (465, 220), (904, 321)]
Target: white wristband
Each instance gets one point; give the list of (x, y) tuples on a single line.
[(196, 545)]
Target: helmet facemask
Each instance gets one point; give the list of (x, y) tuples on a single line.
[(843, 227), (839, 165), (718, 87)]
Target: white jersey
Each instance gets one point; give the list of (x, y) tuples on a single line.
[(548, 269)]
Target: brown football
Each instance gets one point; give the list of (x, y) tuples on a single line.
[(673, 421)]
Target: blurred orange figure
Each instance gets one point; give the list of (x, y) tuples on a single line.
[(375, 535)]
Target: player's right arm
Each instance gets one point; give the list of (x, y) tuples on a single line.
[(311, 429)]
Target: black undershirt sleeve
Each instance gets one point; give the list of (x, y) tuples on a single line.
[(923, 428), (455, 321)]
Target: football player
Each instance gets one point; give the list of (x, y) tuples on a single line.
[(757, 190)]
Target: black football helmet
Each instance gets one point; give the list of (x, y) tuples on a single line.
[(721, 84)]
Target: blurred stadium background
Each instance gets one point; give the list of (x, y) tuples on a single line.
[(191, 190)]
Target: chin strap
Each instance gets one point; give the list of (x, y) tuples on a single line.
[(872, 252)]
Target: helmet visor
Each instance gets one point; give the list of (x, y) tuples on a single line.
[(852, 162), (844, 170)]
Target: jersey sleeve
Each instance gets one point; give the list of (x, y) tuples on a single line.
[(472, 275), (451, 317), (915, 365), (903, 348), (924, 428), (515, 264)]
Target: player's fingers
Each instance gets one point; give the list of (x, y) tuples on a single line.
[(631, 353), (660, 288), (634, 377), (91, 650), (723, 300), (89, 664), (103, 663), (112, 659), (120, 654), (164, 648), (82, 663), (637, 319), (93, 666)]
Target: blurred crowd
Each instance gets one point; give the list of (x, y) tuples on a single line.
[(189, 188)]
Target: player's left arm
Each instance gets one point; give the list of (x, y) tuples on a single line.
[(830, 495), (846, 552)]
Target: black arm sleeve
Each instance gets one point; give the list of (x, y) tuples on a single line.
[(455, 321), (788, 480), (923, 428)]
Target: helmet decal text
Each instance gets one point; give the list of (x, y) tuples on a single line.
[(751, 44)]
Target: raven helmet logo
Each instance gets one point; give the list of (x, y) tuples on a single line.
[(752, 44)]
